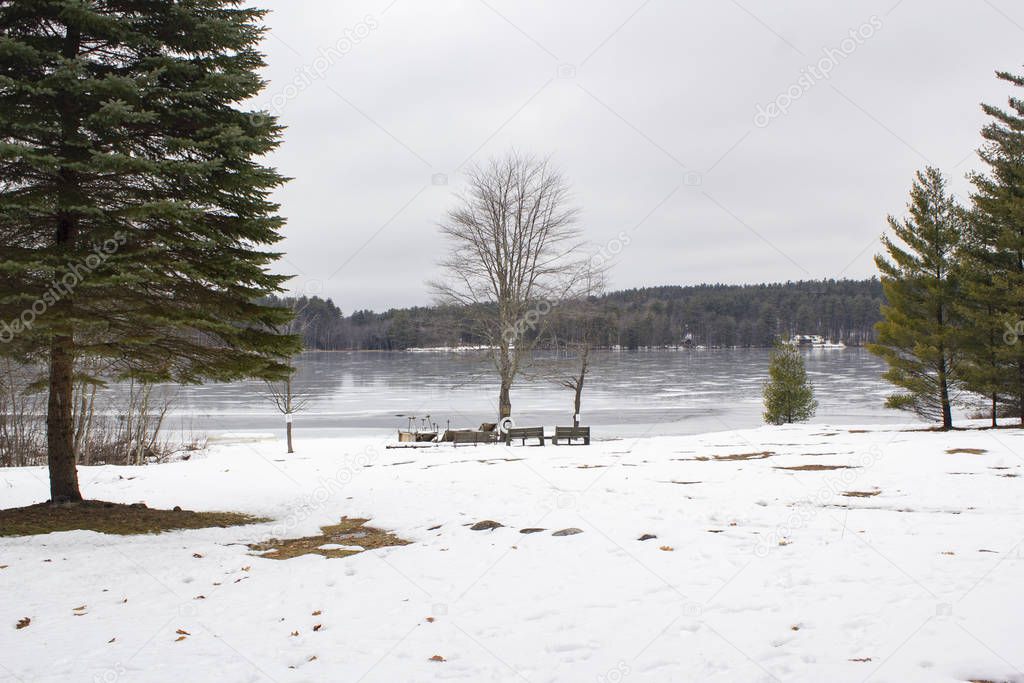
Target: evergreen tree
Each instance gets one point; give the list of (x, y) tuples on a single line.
[(788, 395), (134, 216), (995, 273), (918, 336), (984, 337)]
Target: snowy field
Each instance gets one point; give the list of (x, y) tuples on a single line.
[(758, 573)]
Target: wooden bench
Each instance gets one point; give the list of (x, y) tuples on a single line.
[(472, 436), (524, 433), (567, 434)]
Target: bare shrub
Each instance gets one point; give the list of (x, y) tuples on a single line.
[(22, 410)]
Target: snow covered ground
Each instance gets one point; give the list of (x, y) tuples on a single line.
[(757, 573)]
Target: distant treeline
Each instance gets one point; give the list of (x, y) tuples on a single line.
[(708, 315)]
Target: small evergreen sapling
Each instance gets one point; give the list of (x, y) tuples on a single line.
[(788, 395)]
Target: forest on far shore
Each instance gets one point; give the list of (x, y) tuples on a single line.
[(704, 315)]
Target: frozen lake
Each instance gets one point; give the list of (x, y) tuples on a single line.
[(627, 393)]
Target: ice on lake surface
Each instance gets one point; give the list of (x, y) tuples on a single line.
[(626, 393)]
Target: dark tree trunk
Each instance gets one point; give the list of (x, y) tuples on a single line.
[(288, 431), (60, 424), (947, 412), (995, 410), (1020, 394), (60, 428)]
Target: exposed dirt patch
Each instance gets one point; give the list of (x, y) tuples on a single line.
[(348, 533), (738, 456), (111, 518), (966, 451), (861, 494), (817, 468)]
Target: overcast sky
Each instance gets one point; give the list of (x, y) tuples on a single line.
[(658, 113)]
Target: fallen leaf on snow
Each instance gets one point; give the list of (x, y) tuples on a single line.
[(438, 658), (294, 633), (22, 623), (667, 548), (317, 627), (198, 556), (180, 638), (430, 620), (182, 632), (317, 613)]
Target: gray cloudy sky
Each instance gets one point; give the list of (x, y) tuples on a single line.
[(651, 109)]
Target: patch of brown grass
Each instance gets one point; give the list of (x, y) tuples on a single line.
[(738, 456), (111, 518), (966, 451), (348, 532), (817, 468)]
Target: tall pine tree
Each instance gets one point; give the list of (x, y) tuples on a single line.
[(134, 214), (995, 271), (918, 336), (984, 333)]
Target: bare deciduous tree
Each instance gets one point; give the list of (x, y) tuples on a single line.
[(282, 394), (287, 402), (514, 251), (582, 318)]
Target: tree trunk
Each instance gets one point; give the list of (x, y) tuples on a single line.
[(995, 411), (60, 421), (947, 412), (576, 403), (60, 426), (580, 380), (505, 399), (288, 431), (1020, 394)]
